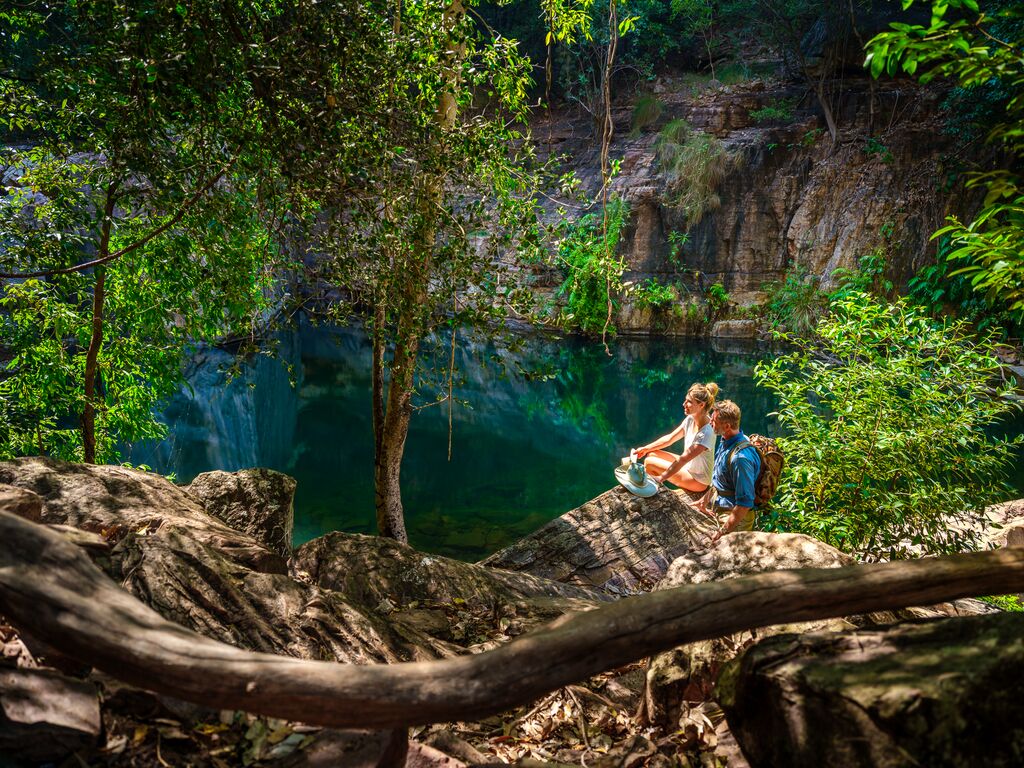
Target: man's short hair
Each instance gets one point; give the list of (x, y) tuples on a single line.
[(728, 413)]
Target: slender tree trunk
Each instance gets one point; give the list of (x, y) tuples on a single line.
[(826, 108), (96, 340), (413, 312), (393, 433), (711, 57)]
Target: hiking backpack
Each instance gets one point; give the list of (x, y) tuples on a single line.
[(772, 462)]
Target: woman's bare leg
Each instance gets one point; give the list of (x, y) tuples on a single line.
[(656, 462)]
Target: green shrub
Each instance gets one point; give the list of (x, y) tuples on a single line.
[(652, 294), (647, 112), (867, 277), (796, 303), (593, 270), (677, 242), (940, 290), (775, 110), (887, 414), (695, 163), (718, 299), (875, 148)]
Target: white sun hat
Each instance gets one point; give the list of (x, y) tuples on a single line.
[(633, 477)]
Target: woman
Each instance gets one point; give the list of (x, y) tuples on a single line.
[(690, 469)]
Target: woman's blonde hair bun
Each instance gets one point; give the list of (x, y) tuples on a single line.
[(704, 394)]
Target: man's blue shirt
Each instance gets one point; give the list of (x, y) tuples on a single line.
[(735, 488)]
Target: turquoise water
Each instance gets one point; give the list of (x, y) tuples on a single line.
[(536, 432), (538, 428)]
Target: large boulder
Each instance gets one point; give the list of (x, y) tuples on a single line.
[(937, 693), (617, 542), (448, 600), (257, 501), (21, 502), (352, 598), (118, 502), (688, 674)]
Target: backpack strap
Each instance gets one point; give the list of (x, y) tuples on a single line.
[(738, 447)]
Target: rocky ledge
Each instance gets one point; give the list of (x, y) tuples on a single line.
[(213, 557)]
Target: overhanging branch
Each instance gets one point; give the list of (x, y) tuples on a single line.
[(134, 246)]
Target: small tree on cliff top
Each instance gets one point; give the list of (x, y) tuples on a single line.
[(887, 415)]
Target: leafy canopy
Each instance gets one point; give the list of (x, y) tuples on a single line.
[(888, 416), (979, 49)]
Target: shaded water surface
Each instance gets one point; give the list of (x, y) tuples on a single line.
[(525, 446)]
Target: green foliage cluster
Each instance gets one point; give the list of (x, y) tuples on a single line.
[(694, 163), (1011, 603), (796, 303), (592, 269), (778, 110), (676, 243), (646, 112), (653, 295), (983, 52), (940, 290), (869, 276), (138, 146), (873, 147), (886, 413), (717, 299)]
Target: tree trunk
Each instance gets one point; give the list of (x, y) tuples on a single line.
[(413, 280), (51, 589), (96, 340), (393, 433)]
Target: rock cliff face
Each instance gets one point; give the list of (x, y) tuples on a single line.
[(789, 196)]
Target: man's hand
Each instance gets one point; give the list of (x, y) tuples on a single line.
[(735, 518)]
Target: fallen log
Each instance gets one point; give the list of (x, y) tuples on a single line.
[(50, 588)]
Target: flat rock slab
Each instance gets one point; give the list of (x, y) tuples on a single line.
[(617, 542), (937, 693), (45, 715)]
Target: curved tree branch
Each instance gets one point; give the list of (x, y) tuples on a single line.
[(134, 246), (50, 588)]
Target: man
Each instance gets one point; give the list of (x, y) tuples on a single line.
[(737, 464)]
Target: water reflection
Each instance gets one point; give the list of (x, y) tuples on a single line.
[(526, 447)]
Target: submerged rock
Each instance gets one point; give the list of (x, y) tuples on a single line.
[(939, 693)]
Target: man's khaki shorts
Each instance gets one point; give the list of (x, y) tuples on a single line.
[(746, 524), (723, 515)]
